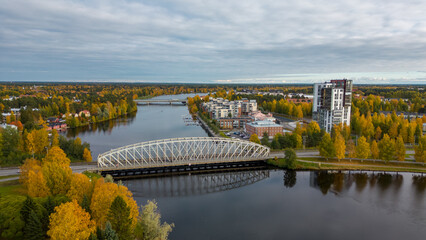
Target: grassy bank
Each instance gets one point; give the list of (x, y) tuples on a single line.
[(322, 164)]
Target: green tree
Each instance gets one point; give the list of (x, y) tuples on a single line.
[(149, 224), (108, 233), (290, 158), (275, 144), (362, 148), (119, 217), (326, 147), (400, 149), (265, 139)]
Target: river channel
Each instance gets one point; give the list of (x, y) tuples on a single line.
[(265, 203)]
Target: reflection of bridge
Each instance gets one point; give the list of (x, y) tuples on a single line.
[(161, 101), (175, 152), (189, 185)]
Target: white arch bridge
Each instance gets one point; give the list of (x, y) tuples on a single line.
[(180, 152)]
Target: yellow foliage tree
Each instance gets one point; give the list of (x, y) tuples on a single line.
[(58, 177), (400, 149), (37, 186), (70, 221), (339, 146), (375, 150), (30, 164), (55, 138), (254, 138), (362, 148), (80, 186), (104, 194), (87, 156), (57, 155)]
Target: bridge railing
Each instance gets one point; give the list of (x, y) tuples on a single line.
[(182, 151)]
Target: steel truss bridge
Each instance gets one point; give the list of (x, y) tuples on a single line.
[(189, 151), (161, 101), (190, 185)]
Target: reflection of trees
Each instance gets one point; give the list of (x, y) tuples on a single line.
[(289, 178), (324, 181), (105, 126), (397, 182), (384, 181), (338, 182), (419, 183), (361, 180)]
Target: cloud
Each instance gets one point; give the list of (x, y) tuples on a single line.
[(202, 41)]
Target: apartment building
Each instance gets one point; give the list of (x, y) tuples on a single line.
[(332, 103)]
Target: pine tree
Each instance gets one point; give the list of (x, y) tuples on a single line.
[(400, 149), (109, 233), (85, 204), (326, 147), (119, 217), (33, 229)]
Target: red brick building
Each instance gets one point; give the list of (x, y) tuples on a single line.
[(260, 127)]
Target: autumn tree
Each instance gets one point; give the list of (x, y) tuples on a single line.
[(420, 150), (32, 179), (87, 156), (326, 147), (254, 138), (80, 186), (54, 138), (70, 221), (400, 149), (374, 150), (339, 146), (56, 171), (104, 194), (387, 148), (350, 148), (362, 148)]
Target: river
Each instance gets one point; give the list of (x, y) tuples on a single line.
[(265, 203)]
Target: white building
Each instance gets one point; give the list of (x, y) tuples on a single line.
[(332, 103)]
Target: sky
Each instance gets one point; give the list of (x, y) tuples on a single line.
[(213, 41)]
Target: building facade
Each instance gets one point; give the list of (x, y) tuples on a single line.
[(260, 127), (332, 103), (230, 114)]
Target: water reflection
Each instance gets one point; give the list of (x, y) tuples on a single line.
[(290, 178), (102, 127), (337, 182), (190, 185)]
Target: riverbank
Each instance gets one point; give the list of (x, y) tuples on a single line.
[(322, 164)]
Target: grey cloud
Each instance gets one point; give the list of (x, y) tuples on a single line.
[(189, 40)]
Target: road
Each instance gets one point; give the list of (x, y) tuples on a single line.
[(10, 171)]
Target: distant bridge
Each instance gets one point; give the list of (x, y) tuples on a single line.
[(190, 152), (161, 101), (190, 185)]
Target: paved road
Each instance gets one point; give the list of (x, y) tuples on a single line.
[(77, 168)]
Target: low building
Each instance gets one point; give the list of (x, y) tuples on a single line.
[(60, 126), (231, 123), (259, 116), (85, 112), (4, 125), (260, 127)]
